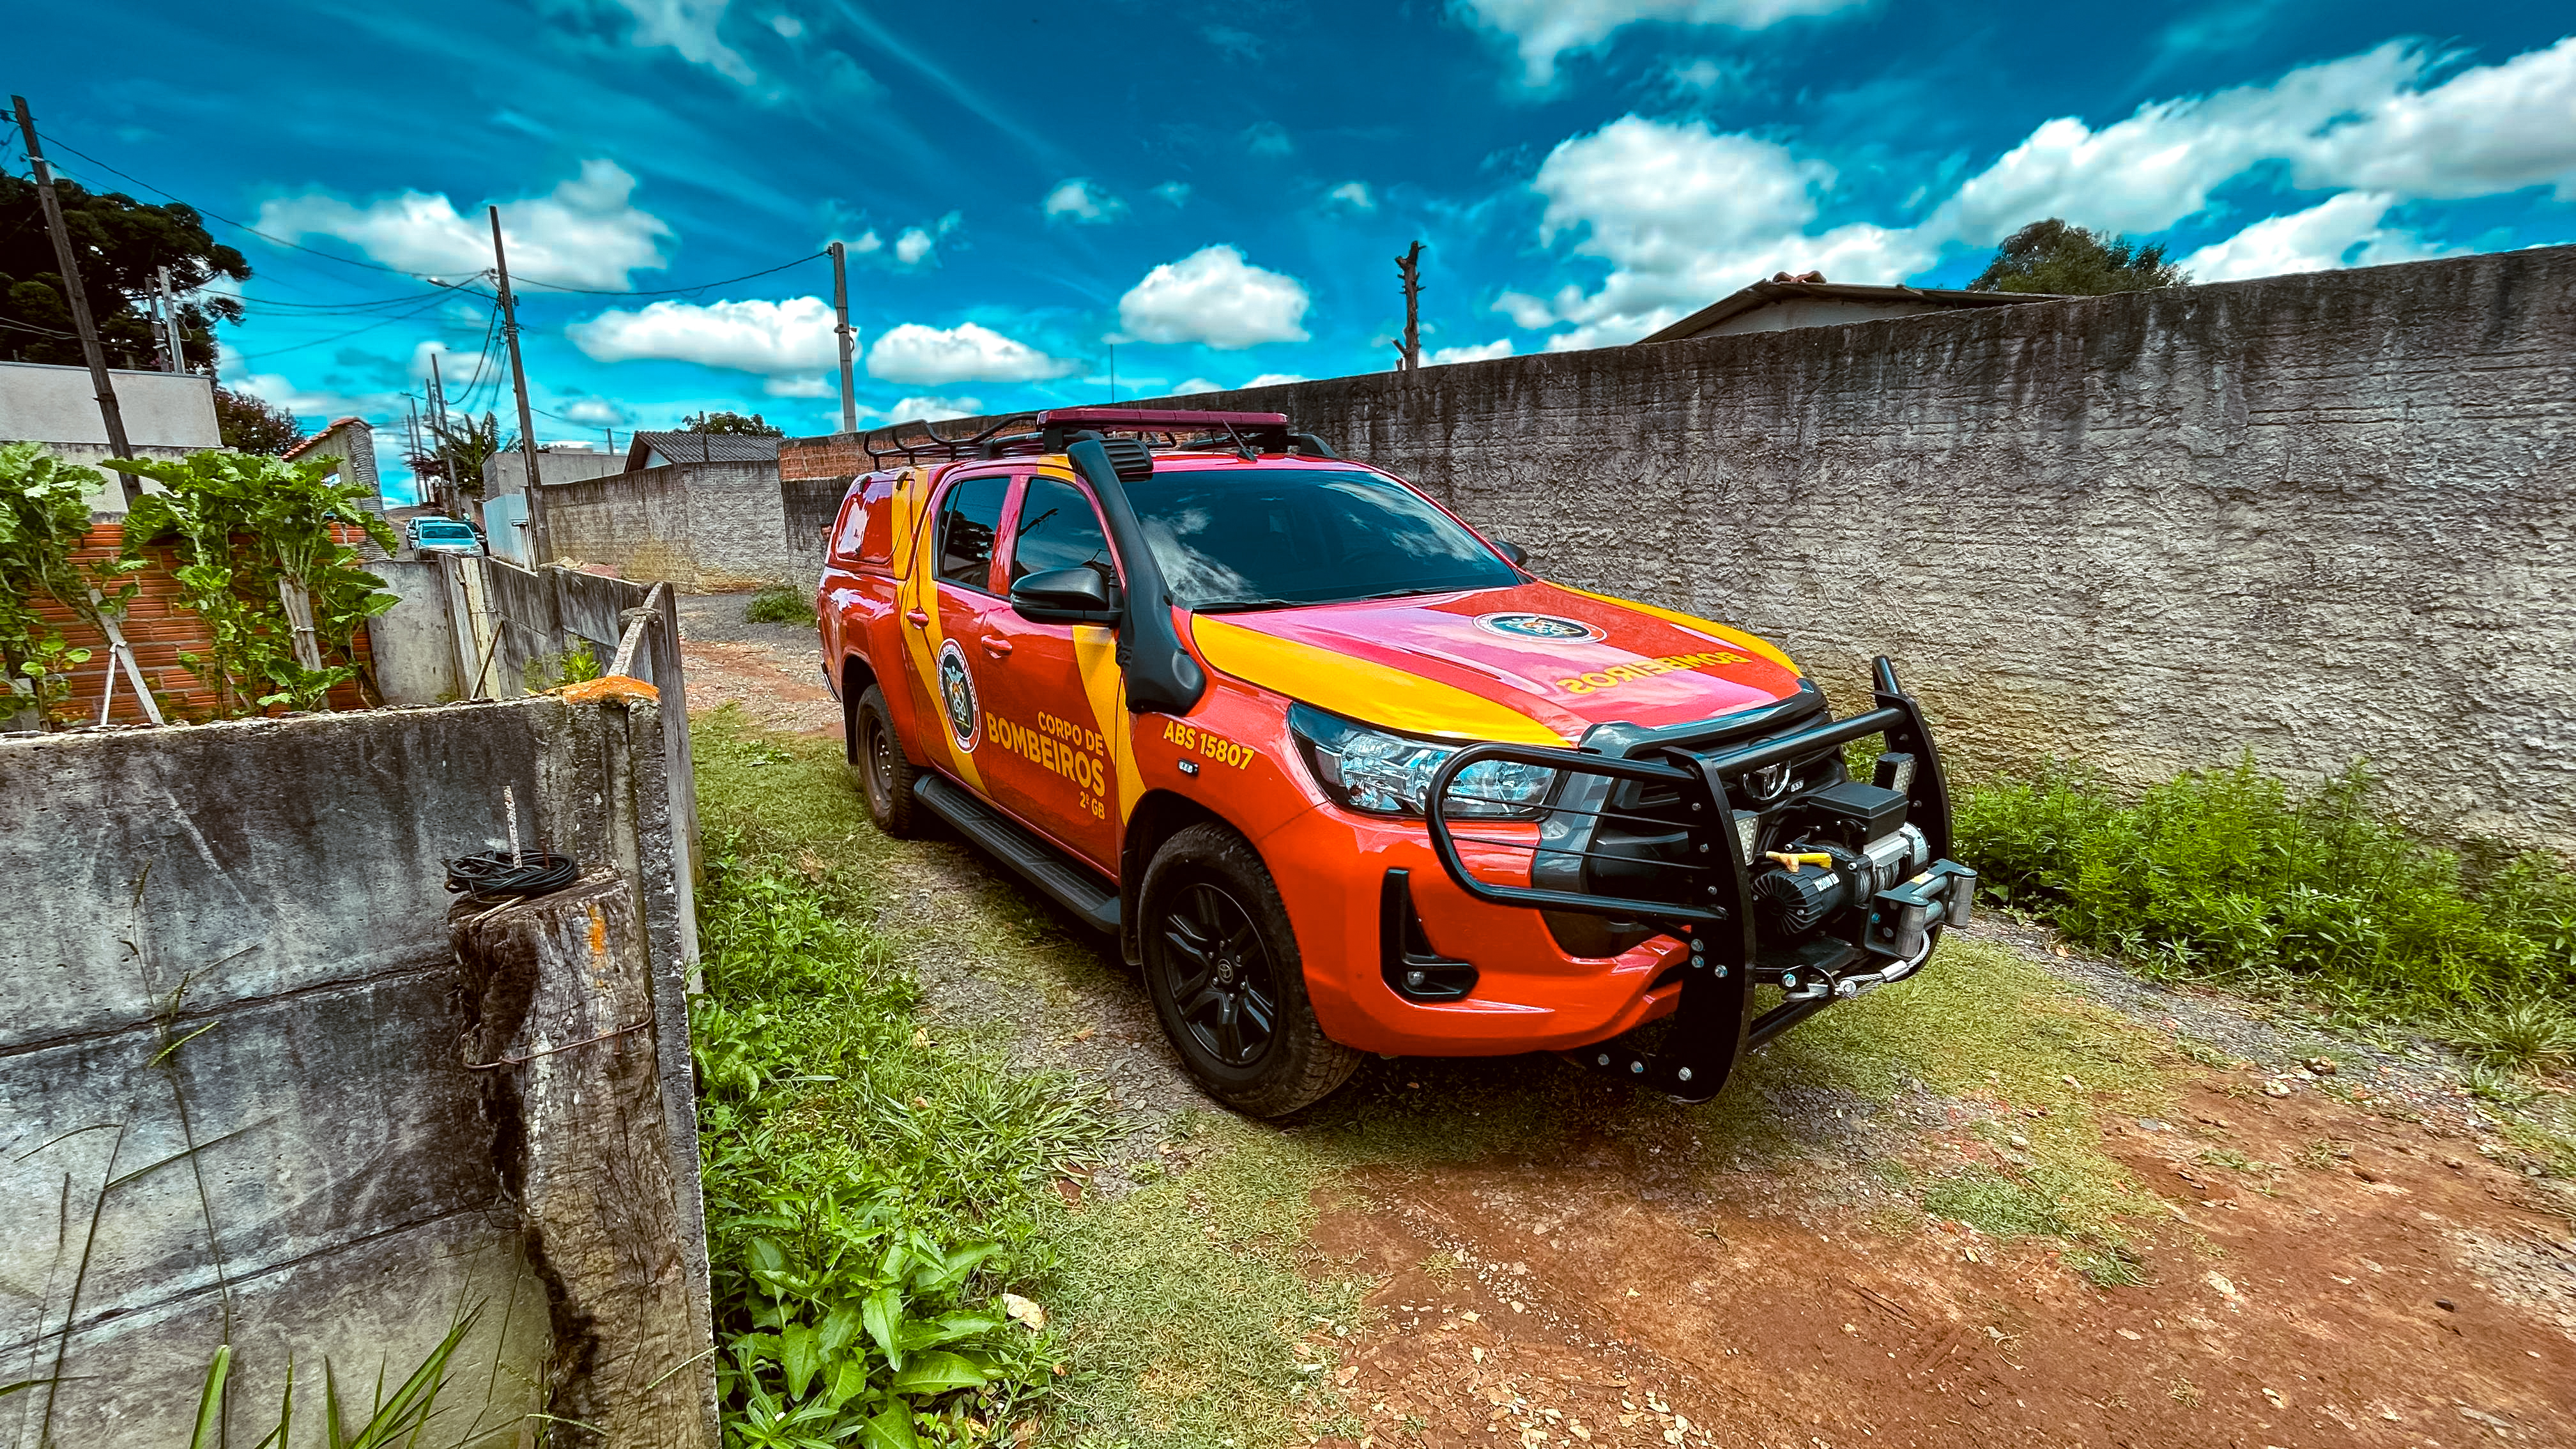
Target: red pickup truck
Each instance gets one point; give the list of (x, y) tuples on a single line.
[(1343, 776)]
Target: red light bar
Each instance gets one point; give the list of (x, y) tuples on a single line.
[(1179, 418)]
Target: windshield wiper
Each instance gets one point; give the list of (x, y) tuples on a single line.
[(1232, 606)]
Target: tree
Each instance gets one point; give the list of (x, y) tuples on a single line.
[(754, 426), (2051, 256), (469, 445), (122, 245), (249, 423)]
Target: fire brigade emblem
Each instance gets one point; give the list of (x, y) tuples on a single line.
[(1546, 627), (957, 697)]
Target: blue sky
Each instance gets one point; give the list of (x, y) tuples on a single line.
[(1218, 190)]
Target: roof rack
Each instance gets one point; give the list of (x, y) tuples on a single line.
[(1057, 428)]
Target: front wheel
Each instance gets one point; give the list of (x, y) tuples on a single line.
[(1222, 963), (883, 775)]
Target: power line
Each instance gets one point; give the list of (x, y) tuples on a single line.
[(524, 282), (341, 337)]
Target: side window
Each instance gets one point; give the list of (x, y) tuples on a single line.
[(1058, 530), (969, 517), (854, 526), (864, 533)]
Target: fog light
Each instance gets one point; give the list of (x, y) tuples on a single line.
[(1896, 772), (1748, 830)]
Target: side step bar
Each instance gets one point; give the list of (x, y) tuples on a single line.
[(1071, 886)]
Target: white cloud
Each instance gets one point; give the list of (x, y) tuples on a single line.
[(1526, 311), (2488, 129), (912, 246), (421, 353), (1268, 138), (1175, 192), (1685, 215), (967, 352), (868, 241), (1214, 296), (773, 338), (585, 233), (318, 404), (689, 27), (598, 411), (800, 387), (1480, 352), (1079, 200), (1273, 379), (1542, 30), (2343, 231), (787, 25), (924, 410), (1353, 194), (1197, 385)]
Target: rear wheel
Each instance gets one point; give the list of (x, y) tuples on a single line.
[(1222, 964), (882, 774)]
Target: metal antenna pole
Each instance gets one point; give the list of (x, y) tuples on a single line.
[(170, 310), (519, 382), (841, 328), (69, 261)]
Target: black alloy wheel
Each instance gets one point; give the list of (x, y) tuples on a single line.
[(876, 757), (1221, 976)]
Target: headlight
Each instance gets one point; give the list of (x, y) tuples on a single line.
[(1389, 774)]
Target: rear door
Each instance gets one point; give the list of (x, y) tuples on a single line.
[(946, 618), (1053, 699)]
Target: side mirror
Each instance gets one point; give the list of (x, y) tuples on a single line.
[(1065, 596), (1512, 551)]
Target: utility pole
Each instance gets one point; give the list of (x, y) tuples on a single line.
[(170, 311), (841, 329), (69, 261), (1408, 267), (519, 382), (455, 493)]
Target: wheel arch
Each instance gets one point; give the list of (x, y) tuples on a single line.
[(856, 677), (1159, 815)]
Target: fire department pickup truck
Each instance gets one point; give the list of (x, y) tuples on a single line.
[(1343, 776)]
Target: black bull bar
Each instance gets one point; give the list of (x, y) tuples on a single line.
[(1698, 887)]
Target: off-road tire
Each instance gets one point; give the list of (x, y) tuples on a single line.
[(1298, 1064), (877, 766)]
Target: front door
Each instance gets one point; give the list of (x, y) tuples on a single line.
[(1051, 710), (954, 665)]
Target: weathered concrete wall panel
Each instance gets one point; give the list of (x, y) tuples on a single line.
[(230, 1039), (694, 525)]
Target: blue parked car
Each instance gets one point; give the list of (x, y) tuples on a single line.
[(444, 535)]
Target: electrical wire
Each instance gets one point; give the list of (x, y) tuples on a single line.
[(339, 337), (494, 875), (526, 282)]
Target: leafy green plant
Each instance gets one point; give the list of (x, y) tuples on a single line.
[(242, 526), (573, 666), (871, 1194), (781, 604), (44, 517), (2232, 876), (2533, 1035)]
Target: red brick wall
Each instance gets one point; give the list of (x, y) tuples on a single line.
[(160, 628)]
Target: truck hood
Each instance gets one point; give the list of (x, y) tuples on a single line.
[(1537, 663)]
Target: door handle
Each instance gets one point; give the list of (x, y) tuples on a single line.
[(917, 618), (995, 645)]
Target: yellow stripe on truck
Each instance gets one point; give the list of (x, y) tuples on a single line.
[(1710, 627), (1370, 693)]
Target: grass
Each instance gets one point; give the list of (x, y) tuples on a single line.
[(2234, 877), (872, 1190), (781, 604)]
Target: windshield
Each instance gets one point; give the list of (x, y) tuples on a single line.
[(1246, 540)]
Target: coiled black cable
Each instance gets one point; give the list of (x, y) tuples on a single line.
[(491, 875)]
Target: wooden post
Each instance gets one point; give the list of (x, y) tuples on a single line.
[(561, 1031), (519, 382), (841, 329), (69, 261)]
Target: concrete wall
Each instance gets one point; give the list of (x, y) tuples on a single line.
[(810, 506), (167, 415), (230, 1082), (699, 526), (2319, 516), (506, 473)]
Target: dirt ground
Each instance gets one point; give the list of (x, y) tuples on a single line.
[(2354, 1257)]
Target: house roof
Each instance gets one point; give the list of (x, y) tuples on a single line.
[(679, 447), (1785, 288), (309, 444)]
